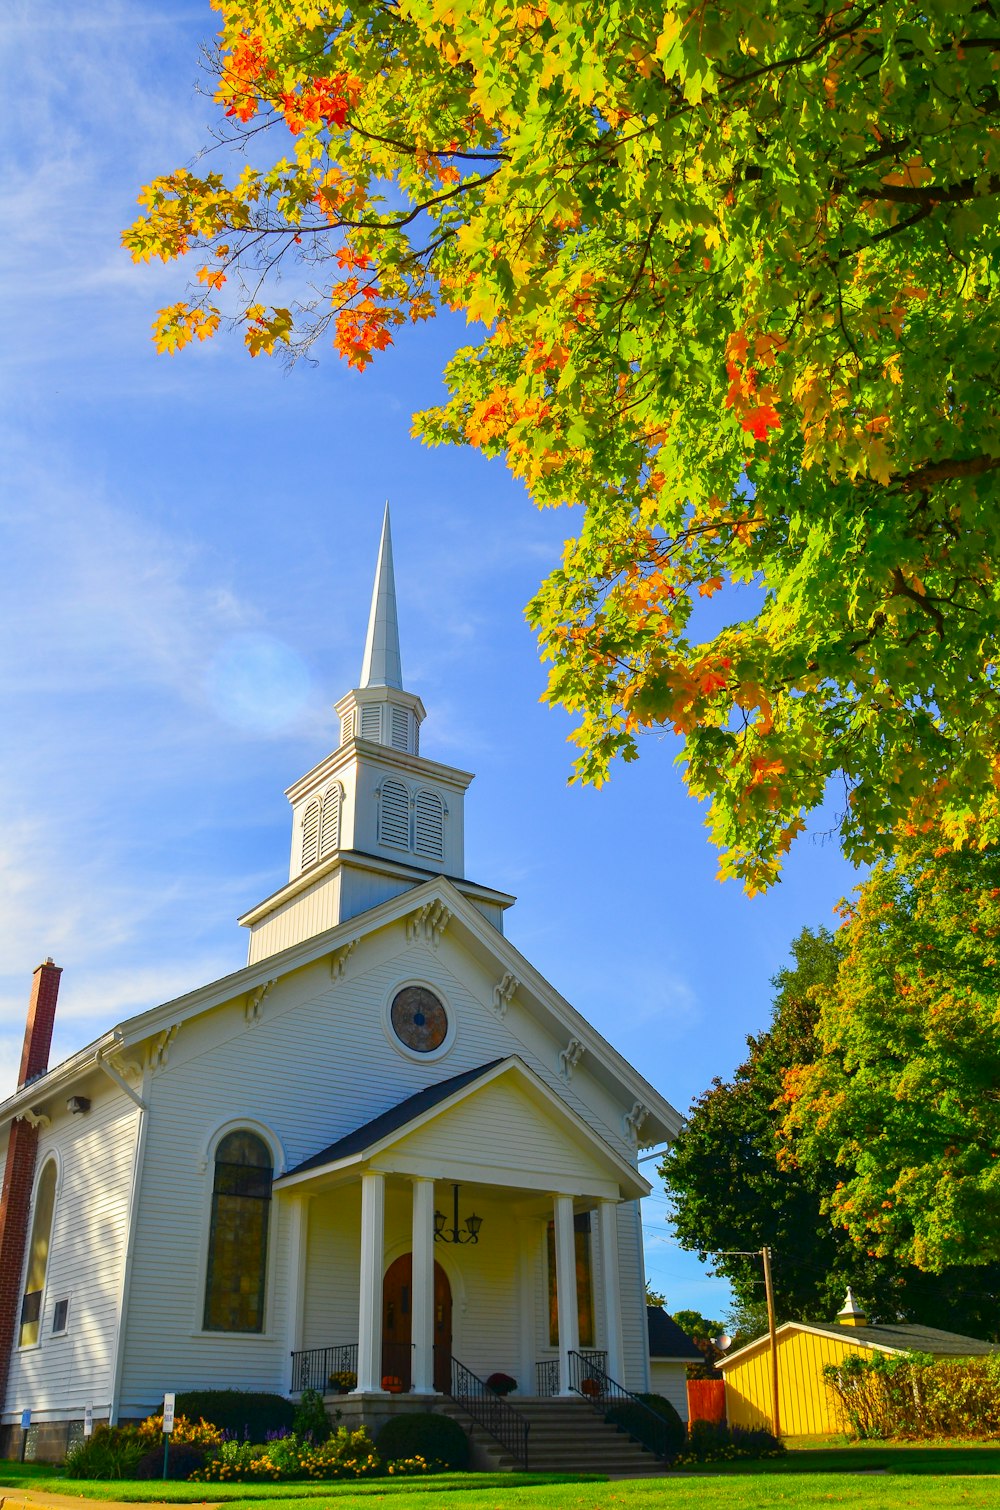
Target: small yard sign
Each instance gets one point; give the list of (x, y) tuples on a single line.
[(88, 1420)]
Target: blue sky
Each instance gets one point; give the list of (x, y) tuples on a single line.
[(187, 551)]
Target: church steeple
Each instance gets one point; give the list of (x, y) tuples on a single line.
[(381, 666), (375, 817)]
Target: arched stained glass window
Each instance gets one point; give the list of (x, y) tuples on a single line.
[(38, 1256), (237, 1242)]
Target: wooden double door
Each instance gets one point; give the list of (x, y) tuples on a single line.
[(397, 1299)]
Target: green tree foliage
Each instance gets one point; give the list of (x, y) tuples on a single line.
[(733, 273), (732, 1189), (900, 1100)]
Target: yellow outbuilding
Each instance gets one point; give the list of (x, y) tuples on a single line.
[(806, 1405)]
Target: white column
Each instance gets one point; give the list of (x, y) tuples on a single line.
[(296, 1217), (370, 1288), (422, 1308), (569, 1315), (608, 1222)]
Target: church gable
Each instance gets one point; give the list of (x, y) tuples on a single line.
[(502, 1130)]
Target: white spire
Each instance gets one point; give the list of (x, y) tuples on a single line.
[(381, 666)]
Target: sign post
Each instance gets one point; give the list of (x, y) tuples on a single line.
[(88, 1421), (25, 1423), (168, 1426)]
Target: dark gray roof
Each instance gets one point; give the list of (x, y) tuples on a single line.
[(667, 1339), (908, 1338), (390, 1121)]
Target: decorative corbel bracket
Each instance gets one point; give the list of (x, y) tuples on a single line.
[(339, 958), (37, 1116), (633, 1121), (159, 1050), (431, 920), (570, 1057), (255, 1001), (503, 993)]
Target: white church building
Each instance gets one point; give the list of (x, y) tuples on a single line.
[(386, 1150)]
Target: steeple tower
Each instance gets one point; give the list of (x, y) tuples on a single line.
[(374, 818)]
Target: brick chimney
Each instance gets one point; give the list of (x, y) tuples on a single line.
[(15, 1196)]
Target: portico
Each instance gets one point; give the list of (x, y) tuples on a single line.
[(521, 1160)]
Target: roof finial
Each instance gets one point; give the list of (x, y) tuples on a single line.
[(381, 666), (850, 1313)]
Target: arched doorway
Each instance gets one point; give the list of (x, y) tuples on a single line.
[(397, 1290)]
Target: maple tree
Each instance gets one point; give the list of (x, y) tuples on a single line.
[(733, 270), (734, 1189), (900, 1102)]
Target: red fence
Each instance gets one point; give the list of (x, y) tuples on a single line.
[(706, 1399)]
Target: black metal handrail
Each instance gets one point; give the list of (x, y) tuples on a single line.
[(547, 1371), (314, 1367), (490, 1411), (647, 1426)]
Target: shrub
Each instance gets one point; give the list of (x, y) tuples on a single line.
[(190, 1433), (501, 1384), (311, 1419), (346, 1455), (909, 1396), (113, 1452), (182, 1461), (423, 1434), (243, 1413), (658, 1427), (714, 1442)]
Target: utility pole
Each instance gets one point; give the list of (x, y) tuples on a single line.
[(765, 1254)]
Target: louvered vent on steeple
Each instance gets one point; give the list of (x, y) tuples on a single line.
[(394, 814), (400, 728), (371, 722), (310, 835), (428, 825), (329, 829), (347, 726)]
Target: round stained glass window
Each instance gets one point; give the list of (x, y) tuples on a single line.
[(418, 1019)]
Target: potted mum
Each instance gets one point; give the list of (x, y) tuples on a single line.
[(501, 1384), (343, 1381)]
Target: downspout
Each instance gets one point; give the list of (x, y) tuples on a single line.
[(133, 1205)]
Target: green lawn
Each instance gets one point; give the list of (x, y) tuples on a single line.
[(857, 1476)]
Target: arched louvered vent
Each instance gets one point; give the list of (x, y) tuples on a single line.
[(394, 815), (371, 722), (428, 825), (347, 726), (400, 728), (310, 835), (329, 829)]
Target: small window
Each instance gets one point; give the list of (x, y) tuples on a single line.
[(371, 722), (60, 1317), (428, 825), (38, 1256), (400, 729), (394, 815), (310, 835), (237, 1244), (329, 829)]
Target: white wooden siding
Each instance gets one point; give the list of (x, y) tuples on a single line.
[(95, 1151), (317, 1064), (670, 1381)]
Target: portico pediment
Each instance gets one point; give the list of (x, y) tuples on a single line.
[(499, 1125)]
